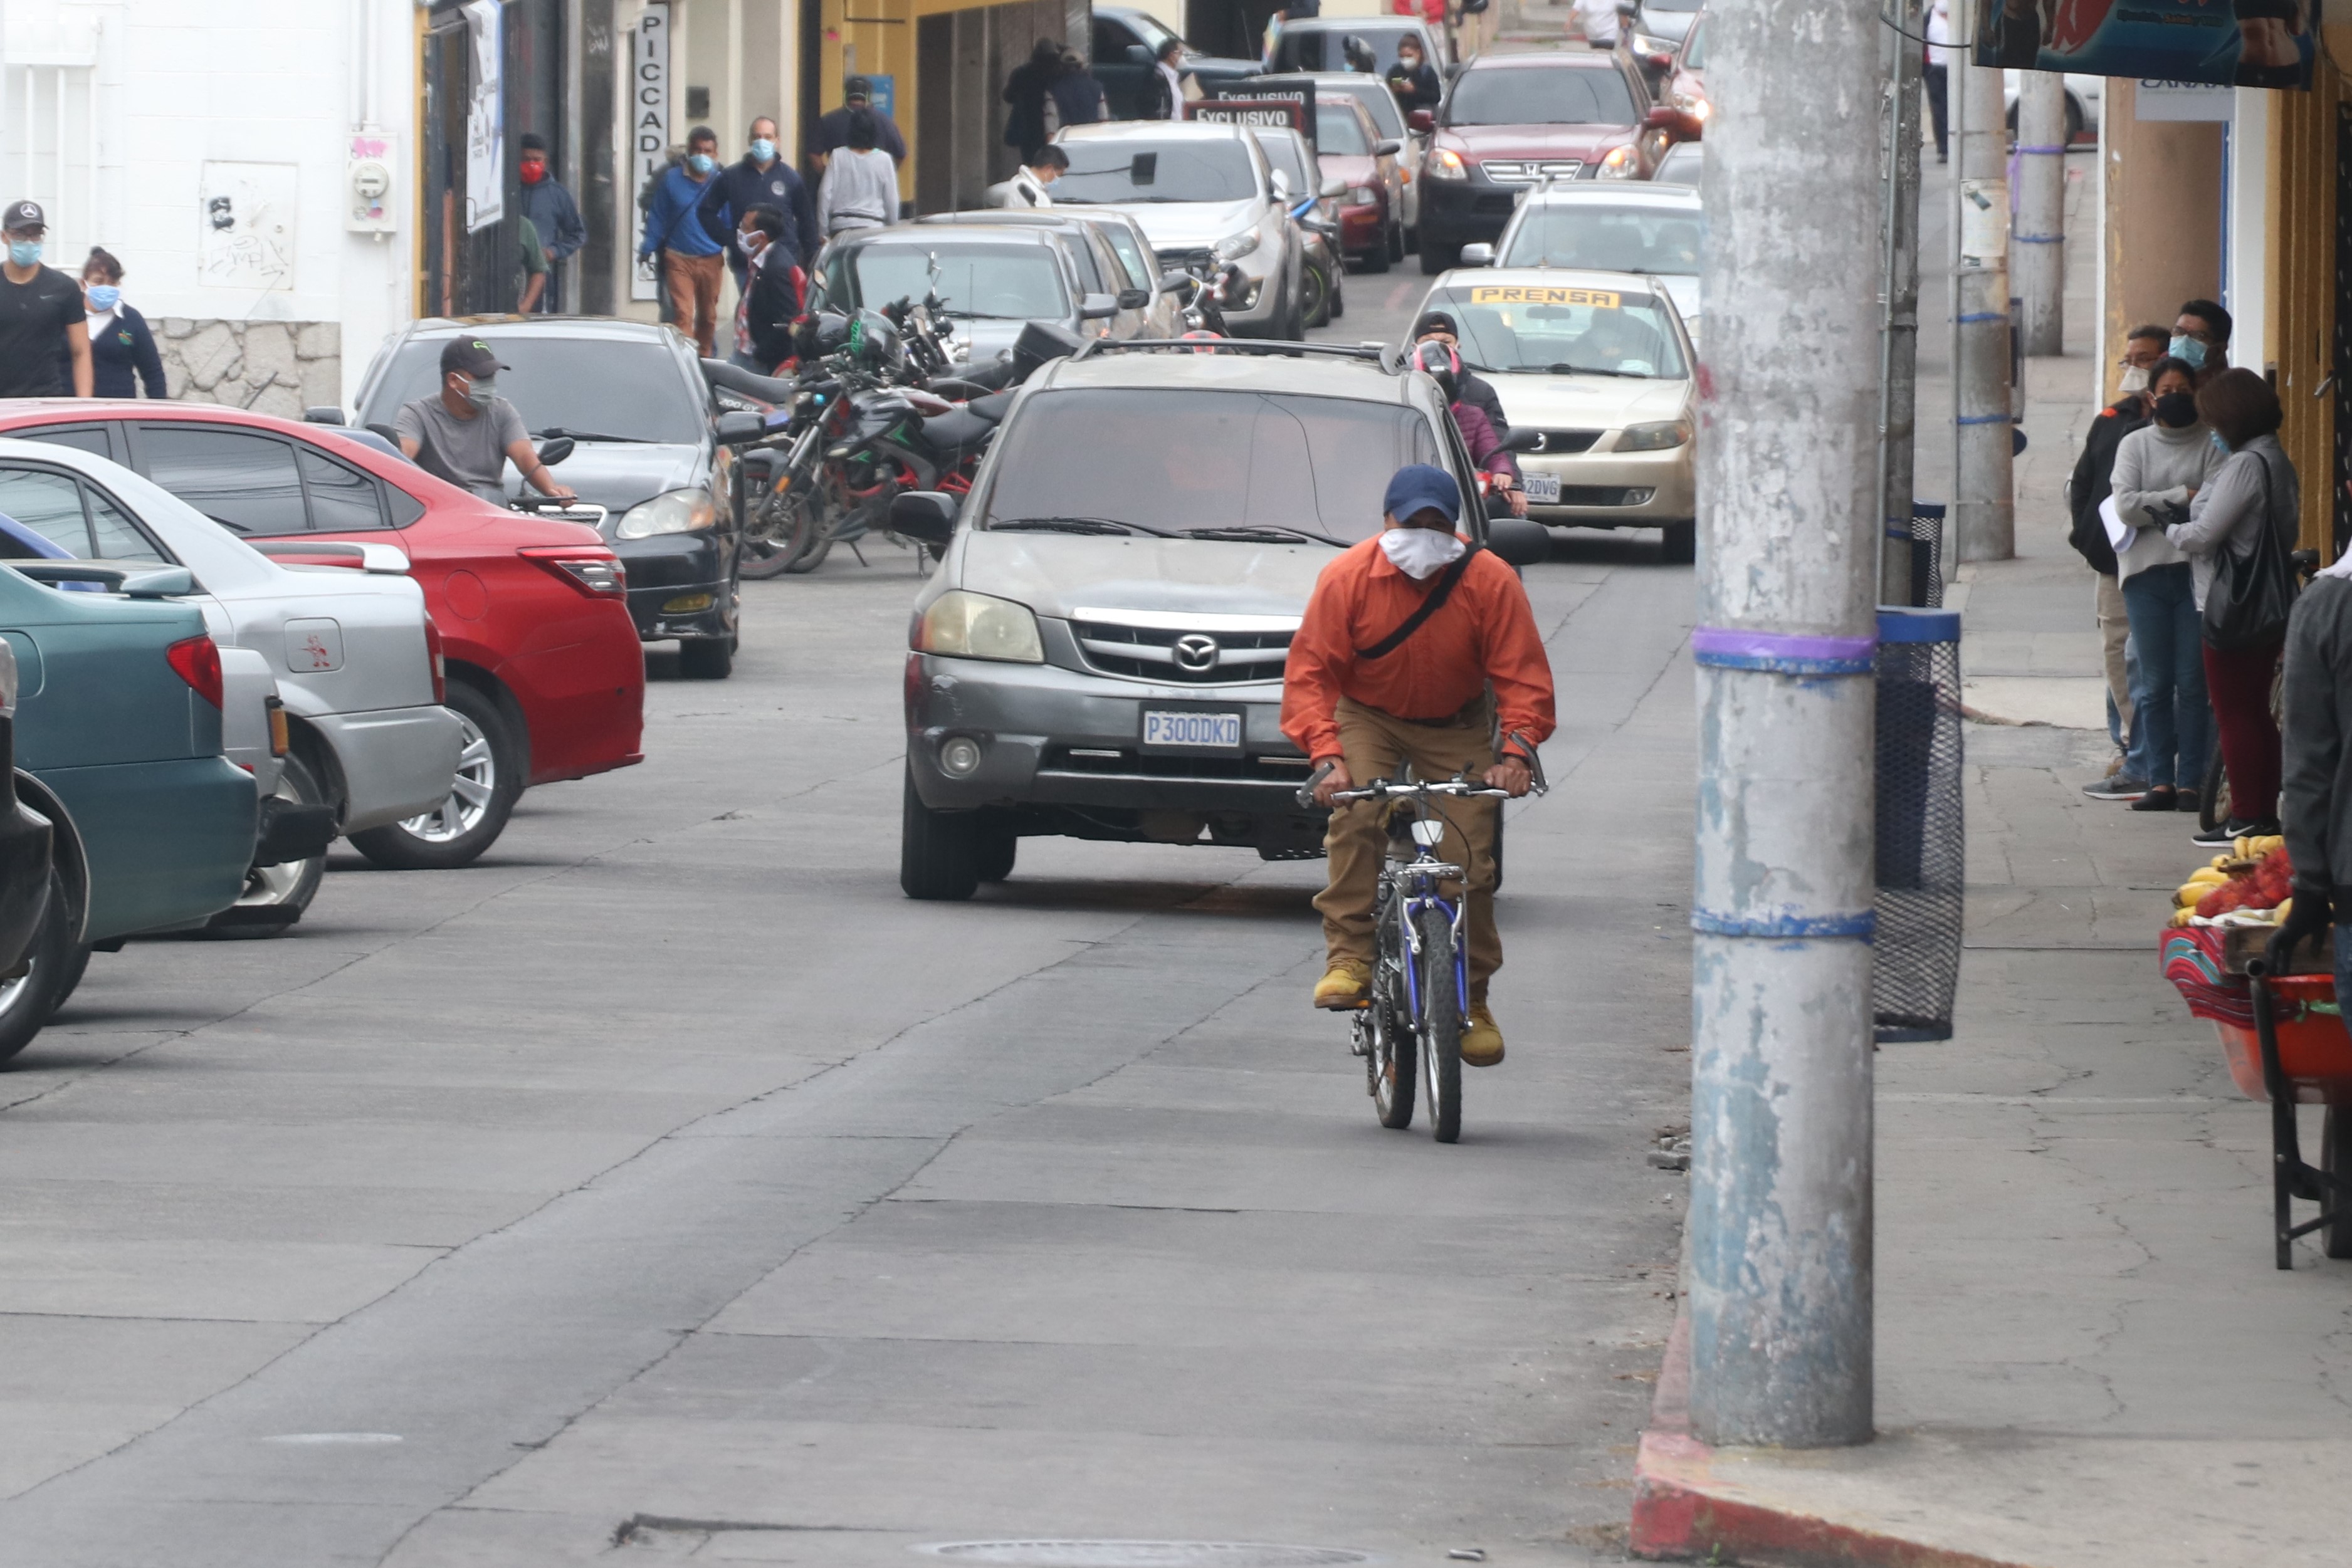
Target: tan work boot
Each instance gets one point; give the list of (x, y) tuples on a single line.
[(1344, 985), (1482, 1038)]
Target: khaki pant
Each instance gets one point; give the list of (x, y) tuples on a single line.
[(693, 284), (2115, 630), (1376, 746)]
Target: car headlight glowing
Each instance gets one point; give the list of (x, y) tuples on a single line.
[(1235, 245), (1622, 164), (673, 512), (1363, 197), (1444, 164), (1654, 437), (977, 626)]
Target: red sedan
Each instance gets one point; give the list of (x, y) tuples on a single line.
[(1348, 147), (542, 660)]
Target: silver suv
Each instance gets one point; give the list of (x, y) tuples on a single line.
[(1100, 653)]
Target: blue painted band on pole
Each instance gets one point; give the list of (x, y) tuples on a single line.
[(1784, 653), (2044, 152), (1984, 316), (1783, 927), (2038, 239), (1983, 419)]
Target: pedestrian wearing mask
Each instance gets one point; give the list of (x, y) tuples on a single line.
[(2159, 470), (1411, 79), (553, 211), (690, 257), (1163, 92), (41, 313), (1444, 366), (2126, 778), (860, 189), (467, 434), (761, 179), (1437, 327), (121, 349), (2202, 336), (773, 300), (2241, 527)]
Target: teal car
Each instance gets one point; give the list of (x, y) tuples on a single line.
[(117, 734)]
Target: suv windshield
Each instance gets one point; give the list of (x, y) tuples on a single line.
[(611, 388), (1565, 95), (1607, 239), (1126, 169), (1540, 327), (1337, 130), (1208, 460), (1015, 282)]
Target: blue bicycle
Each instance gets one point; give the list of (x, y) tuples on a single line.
[(1420, 993)]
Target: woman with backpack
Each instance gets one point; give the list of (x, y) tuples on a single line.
[(2242, 527)]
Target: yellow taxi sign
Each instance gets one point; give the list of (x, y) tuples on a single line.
[(1538, 293)]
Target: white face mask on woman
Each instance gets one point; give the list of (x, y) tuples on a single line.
[(1420, 552)]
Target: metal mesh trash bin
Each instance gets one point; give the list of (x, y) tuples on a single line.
[(1927, 554), (1922, 855)]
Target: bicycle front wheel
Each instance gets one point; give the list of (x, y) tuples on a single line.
[(1389, 1063), (1440, 1021)]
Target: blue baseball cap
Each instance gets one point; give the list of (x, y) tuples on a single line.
[(1419, 487)]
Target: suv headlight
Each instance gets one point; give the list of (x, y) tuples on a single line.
[(1234, 246), (675, 512), (977, 626), (1654, 437), (1444, 164), (1622, 163)]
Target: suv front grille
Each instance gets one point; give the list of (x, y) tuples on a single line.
[(1528, 170), (1176, 653)]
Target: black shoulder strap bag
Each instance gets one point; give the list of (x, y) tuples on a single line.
[(2252, 594), (1438, 592)]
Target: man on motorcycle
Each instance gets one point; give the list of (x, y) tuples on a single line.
[(1499, 467), (467, 434), (1366, 700)]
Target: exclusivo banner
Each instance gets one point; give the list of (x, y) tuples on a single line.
[(2240, 43)]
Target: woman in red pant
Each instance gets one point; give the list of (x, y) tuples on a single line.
[(2255, 488)]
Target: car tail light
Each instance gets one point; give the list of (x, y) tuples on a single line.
[(596, 573), (281, 738), (433, 657), (197, 660)]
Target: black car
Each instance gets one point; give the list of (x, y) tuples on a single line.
[(1126, 41), (25, 876), (631, 396)]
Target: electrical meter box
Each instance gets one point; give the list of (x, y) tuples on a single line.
[(370, 165)]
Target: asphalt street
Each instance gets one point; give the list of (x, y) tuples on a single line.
[(668, 1184)]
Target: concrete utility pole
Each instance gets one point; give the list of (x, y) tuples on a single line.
[(1789, 515), (2038, 249), (1899, 364), (1984, 510)]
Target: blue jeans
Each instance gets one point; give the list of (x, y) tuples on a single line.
[(2133, 745), (2168, 688)]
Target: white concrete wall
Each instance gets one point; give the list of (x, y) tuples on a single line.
[(2245, 283), (191, 89)]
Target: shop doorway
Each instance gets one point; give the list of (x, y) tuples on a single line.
[(490, 75)]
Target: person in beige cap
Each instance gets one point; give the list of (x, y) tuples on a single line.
[(40, 314)]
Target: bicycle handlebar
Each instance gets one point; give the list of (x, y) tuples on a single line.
[(1382, 789)]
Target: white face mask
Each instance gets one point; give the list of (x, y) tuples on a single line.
[(1420, 552), (2134, 378)]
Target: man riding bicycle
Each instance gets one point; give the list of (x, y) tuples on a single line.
[(1410, 645)]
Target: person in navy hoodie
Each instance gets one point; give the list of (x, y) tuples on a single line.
[(121, 349)]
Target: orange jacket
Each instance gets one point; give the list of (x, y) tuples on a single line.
[(1485, 632)]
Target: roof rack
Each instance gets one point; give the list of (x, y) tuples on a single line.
[(1382, 355)]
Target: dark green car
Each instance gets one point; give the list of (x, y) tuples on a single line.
[(117, 734)]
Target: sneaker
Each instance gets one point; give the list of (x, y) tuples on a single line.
[(2227, 835), (2158, 797), (1344, 985), (2117, 787), (1482, 1038)]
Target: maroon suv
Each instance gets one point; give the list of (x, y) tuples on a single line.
[(1511, 121)]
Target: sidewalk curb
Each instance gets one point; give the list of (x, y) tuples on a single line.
[(1683, 1510)]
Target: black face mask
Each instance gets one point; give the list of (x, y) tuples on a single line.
[(2177, 411)]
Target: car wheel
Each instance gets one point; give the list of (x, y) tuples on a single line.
[(997, 849), (1396, 243), (939, 852), (1339, 297), (1436, 257), (481, 797), (1678, 543), (27, 1001), (706, 658), (276, 896), (1316, 290)]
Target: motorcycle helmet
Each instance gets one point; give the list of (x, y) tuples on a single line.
[(828, 334), (1442, 365), (873, 339)]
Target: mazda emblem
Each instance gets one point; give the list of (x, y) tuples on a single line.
[(1195, 654)]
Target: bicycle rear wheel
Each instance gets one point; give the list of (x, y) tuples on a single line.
[(1389, 1063), (1440, 1024)]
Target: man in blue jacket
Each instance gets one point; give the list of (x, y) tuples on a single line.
[(690, 258), (553, 211), (762, 180)]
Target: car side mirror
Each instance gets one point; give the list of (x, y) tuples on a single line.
[(322, 413), (1097, 307), (926, 515), (1421, 121), (1334, 186), (740, 427), (1388, 148), (1523, 438), (1138, 55), (551, 452), (1521, 541), (1134, 298), (1479, 255), (1663, 117), (1182, 283), (1281, 183)]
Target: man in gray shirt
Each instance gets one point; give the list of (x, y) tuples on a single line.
[(467, 434)]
